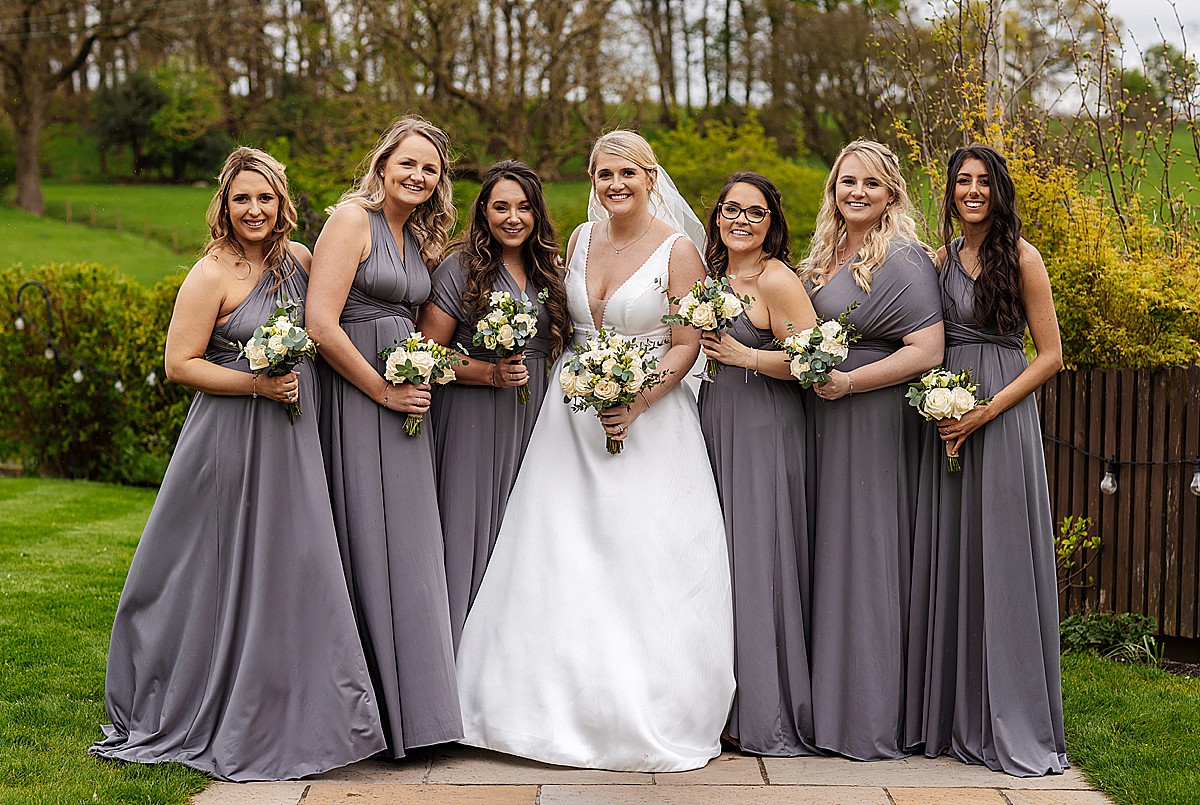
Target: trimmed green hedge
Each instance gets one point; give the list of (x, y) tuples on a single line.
[(84, 409)]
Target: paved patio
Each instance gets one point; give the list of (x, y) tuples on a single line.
[(462, 776)]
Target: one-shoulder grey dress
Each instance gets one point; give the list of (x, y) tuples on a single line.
[(234, 650), (985, 548), (479, 438), (385, 508), (862, 474), (754, 427)]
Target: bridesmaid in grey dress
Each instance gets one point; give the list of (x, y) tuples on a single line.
[(370, 272), (752, 415), (480, 429), (985, 538), (233, 649), (864, 451)]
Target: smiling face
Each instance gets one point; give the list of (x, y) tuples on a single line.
[(509, 215), (253, 207), (411, 172), (621, 185), (861, 197), (973, 193), (739, 235)]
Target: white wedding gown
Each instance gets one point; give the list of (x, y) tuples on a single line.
[(602, 634)]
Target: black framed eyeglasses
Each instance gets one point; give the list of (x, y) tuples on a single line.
[(755, 215)]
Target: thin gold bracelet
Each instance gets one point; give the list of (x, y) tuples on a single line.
[(850, 379), (254, 387)]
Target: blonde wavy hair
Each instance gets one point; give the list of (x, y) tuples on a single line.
[(220, 226), (433, 220), (629, 145), (896, 221)]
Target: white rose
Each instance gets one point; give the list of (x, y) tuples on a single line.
[(732, 305), (607, 389), (795, 342), (594, 357), (257, 355), (805, 336), (584, 383), (424, 363), (489, 341), (394, 359), (703, 317), (275, 344), (634, 384), (939, 403), (608, 365), (839, 351), (616, 343), (497, 297), (567, 379), (688, 303), (506, 336), (527, 320), (961, 401), (798, 366), (444, 376), (495, 318), (830, 329)]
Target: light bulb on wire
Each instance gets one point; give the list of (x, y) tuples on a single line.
[(1194, 486), (1108, 484), (19, 324)]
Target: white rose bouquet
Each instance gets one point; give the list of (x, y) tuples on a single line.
[(818, 349), (608, 370), (418, 360), (941, 394), (710, 306), (278, 345), (507, 328)]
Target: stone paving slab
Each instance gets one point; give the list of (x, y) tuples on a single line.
[(946, 796), (918, 772), (251, 794), (710, 795), (731, 768), (468, 766), (422, 795), (407, 771), (1056, 798)]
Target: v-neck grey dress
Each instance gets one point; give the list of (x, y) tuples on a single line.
[(985, 548), (862, 481), (384, 500), (754, 427), (234, 650), (479, 438)]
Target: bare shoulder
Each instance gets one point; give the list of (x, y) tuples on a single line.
[(212, 272), (941, 256), (682, 248), (301, 253), (1030, 261), (779, 278), (573, 240)]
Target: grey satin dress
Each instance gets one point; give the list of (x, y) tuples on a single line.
[(384, 500), (479, 438), (862, 482), (234, 650), (754, 428), (985, 548)]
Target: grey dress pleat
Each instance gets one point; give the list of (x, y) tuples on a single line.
[(385, 508), (985, 549), (862, 482), (479, 438), (754, 428), (233, 650)]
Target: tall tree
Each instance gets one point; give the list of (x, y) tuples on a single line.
[(43, 43)]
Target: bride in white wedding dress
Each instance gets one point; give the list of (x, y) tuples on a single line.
[(602, 634)]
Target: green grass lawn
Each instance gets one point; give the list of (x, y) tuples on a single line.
[(64, 551), (171, 213), (32, 241), (65, 548)]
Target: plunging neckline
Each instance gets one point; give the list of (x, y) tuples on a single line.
[(588, 294)]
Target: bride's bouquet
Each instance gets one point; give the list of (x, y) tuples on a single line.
[(507, 328), (941, 394), (278, 345), (418, 360), (608, 370), (710, 306), (818, 349)]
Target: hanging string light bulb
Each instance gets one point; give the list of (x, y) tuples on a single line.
[(19, 324), (1194, 486), (1108, 484), (77, 376), (152, 378), (48, 353), (119, 386)]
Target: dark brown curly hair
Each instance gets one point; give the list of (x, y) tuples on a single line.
[(998, 305), (539, 253)]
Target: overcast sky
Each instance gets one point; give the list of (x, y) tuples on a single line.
[(1139, 17)]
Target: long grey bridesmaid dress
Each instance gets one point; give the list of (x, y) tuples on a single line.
[(234, 650), (479, 438), (385, 508), (862, 482), (985, 548), (754, 428)]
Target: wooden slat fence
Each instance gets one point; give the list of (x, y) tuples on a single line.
[(1150, 556)]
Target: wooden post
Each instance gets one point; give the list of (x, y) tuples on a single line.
[(175, 240), (68, 211), (92, 216)]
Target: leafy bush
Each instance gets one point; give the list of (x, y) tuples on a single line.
[(701, 160), (65, 414), (1119, 636)]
